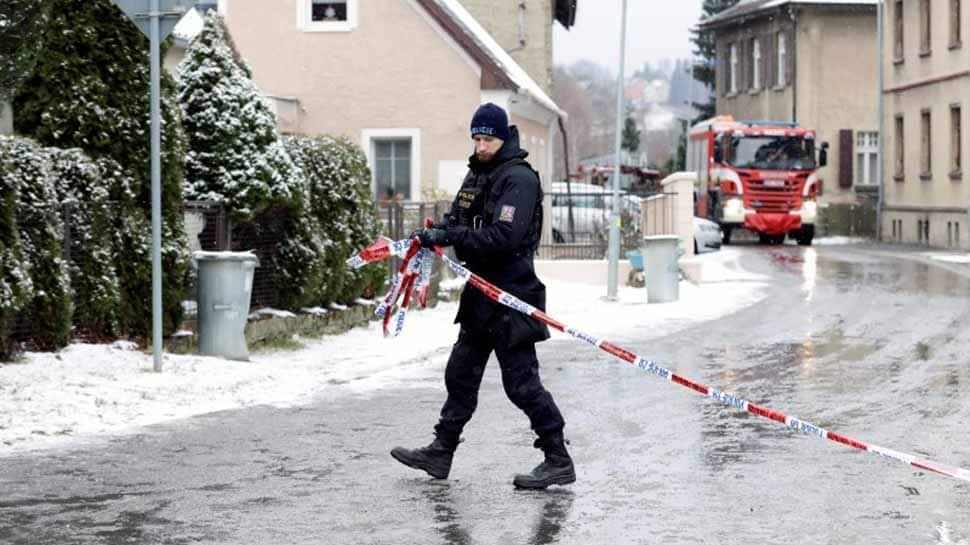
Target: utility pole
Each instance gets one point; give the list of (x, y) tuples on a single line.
[(880, 166), (614, 251), (156, 24)]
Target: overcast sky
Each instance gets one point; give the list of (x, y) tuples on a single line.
[(656, 29)]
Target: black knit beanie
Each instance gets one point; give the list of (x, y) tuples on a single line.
[(492, 120)]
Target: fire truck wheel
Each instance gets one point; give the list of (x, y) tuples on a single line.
[(805, 235), (727, 236)]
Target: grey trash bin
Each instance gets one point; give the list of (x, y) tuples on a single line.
[(225, 286), (660, 269)]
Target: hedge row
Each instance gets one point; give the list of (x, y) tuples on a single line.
[(53, 295), (338, 219)]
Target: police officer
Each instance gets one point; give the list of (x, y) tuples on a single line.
[(494, 225)]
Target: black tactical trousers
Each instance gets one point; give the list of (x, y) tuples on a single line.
[(520, 377)]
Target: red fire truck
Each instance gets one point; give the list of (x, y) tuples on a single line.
[(757, 175)]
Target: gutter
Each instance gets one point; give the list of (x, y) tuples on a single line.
[(794, 64)]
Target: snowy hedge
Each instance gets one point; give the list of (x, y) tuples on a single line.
[(86, 188), (340, 205), (21, 23), (90, 90), (102, 289), (15, 284), (48, 308), (234, 155)]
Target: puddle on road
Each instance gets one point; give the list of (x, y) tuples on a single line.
[(774, 362), (554, 507), (850, 272)]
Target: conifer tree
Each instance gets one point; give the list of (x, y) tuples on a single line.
[(15, 285), (631, 135), (22, 24), (85, 188), (90, 90), (48, 309), (339, 201), (235, 154)]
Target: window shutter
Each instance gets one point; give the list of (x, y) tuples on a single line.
[(845, 158), (767, 57), (721, 69), (789, 57), (746, 62)]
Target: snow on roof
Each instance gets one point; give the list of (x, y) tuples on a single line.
[(745, 7), (488, 44)]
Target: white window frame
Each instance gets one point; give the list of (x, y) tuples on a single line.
[(866, 145), (733, 83), (304, 22), (781, 74), (369, 136), (756, 64)]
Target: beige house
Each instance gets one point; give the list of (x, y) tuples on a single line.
[(401, 77), (814, 63), (524, 29), (927, 95)]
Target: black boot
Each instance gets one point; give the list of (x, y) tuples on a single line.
[(435, 458), (557, 468)]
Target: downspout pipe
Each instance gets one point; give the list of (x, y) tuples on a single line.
[(880, 165), (569, 189), (794, 64)]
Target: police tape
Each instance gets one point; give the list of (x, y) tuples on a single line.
[(385, 248)]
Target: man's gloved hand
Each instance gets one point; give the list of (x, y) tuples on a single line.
[(433, 237), (443, 224)]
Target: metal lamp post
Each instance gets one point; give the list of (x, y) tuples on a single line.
[(614, 249)]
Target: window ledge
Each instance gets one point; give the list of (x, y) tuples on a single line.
[(956, 45), (328, 27), (779, 87), (866, 188), (899, 177), (899, 60), (753, 92), (925, 52), (731, 94), (926, 176), (956, 175)]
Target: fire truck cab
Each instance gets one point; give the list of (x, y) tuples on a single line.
[(757, 175)]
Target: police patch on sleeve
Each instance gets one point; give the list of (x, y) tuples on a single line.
[(507, 213)]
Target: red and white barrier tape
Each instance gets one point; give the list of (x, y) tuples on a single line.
[(385, 248)]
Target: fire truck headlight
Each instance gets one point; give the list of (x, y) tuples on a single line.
[(734, 206), (809, 211), (734, 210)]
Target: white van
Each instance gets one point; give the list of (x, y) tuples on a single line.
[(591, 209)]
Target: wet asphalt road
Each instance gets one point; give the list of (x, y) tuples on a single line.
[(868, 346)]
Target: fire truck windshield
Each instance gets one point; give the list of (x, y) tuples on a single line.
[(772, 152)]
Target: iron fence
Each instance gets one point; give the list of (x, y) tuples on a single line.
[(579, 222)]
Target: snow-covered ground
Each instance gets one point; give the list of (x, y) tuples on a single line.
[(839, 241), (85, 391), (961, 257)]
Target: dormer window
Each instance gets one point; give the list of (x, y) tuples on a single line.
[(327, 15)]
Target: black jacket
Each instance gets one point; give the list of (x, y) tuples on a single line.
[(499, 248)]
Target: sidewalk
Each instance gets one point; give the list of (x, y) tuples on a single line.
[(85, 391)]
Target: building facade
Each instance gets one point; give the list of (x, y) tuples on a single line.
[(400, 77), (927, 95), (814, 63), (524, 29)]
